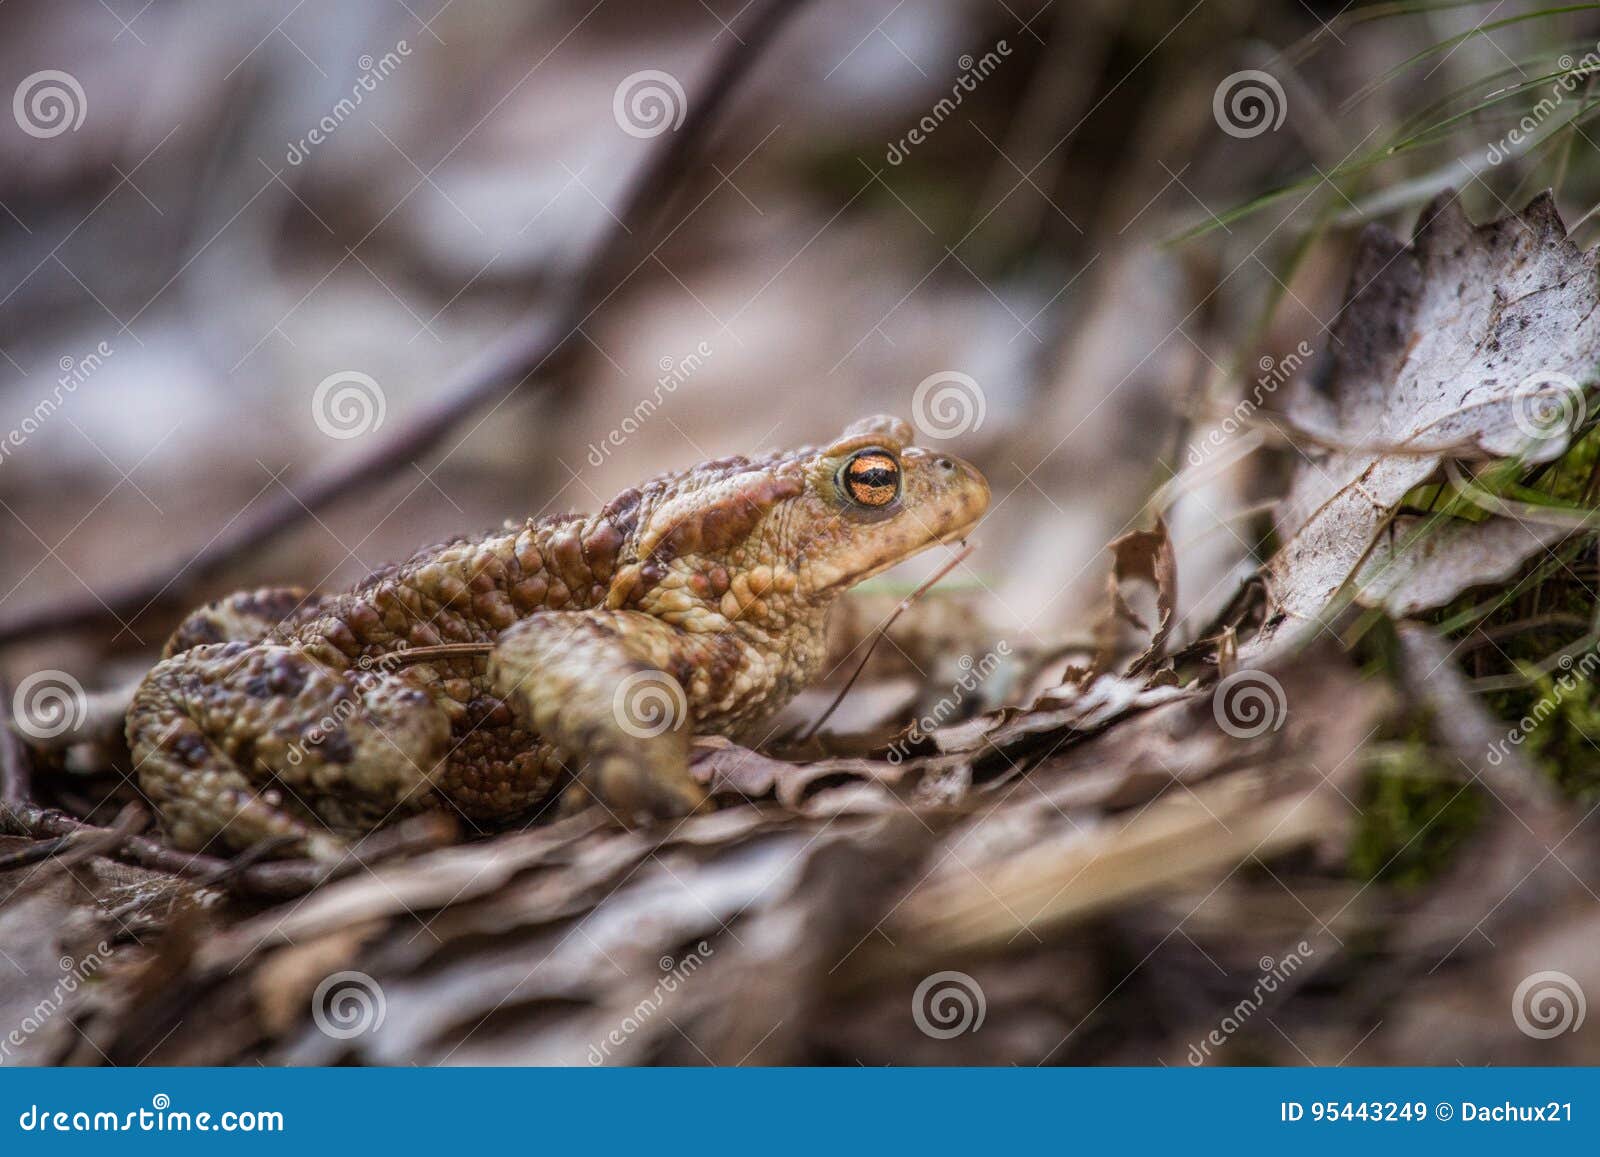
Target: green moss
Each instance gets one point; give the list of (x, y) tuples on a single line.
[(1558, 720), (1413, 820)]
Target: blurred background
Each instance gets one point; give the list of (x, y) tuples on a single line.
[(238, 240)]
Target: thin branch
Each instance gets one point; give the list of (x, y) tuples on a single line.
[(273, 879), (905, 605), (531, 352), (15, 776)]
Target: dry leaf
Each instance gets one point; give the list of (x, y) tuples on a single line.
[(1455, 346)]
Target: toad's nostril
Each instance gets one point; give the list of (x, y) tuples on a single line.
[(945, 464)]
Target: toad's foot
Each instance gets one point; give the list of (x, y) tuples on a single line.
[(614, 687), (237, 743)]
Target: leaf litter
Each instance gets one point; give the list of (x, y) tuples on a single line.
[(1101, 863)]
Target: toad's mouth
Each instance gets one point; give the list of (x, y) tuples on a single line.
[(953, 535)]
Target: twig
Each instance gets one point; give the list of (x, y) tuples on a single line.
[(905, 603), (275, 879), (14, 764), (529, 349)]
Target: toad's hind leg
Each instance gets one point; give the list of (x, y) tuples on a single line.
[(243, 617), (237, 743), (608, 689)]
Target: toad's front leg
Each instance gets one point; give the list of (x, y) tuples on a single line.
[(619, 692)]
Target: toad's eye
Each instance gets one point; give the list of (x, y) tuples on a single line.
[(872, 477)]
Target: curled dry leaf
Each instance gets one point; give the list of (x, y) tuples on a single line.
[(1138, 557), (1419, 564), (1473, 342)]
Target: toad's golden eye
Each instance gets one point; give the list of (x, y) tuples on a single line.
[(872, 477)]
